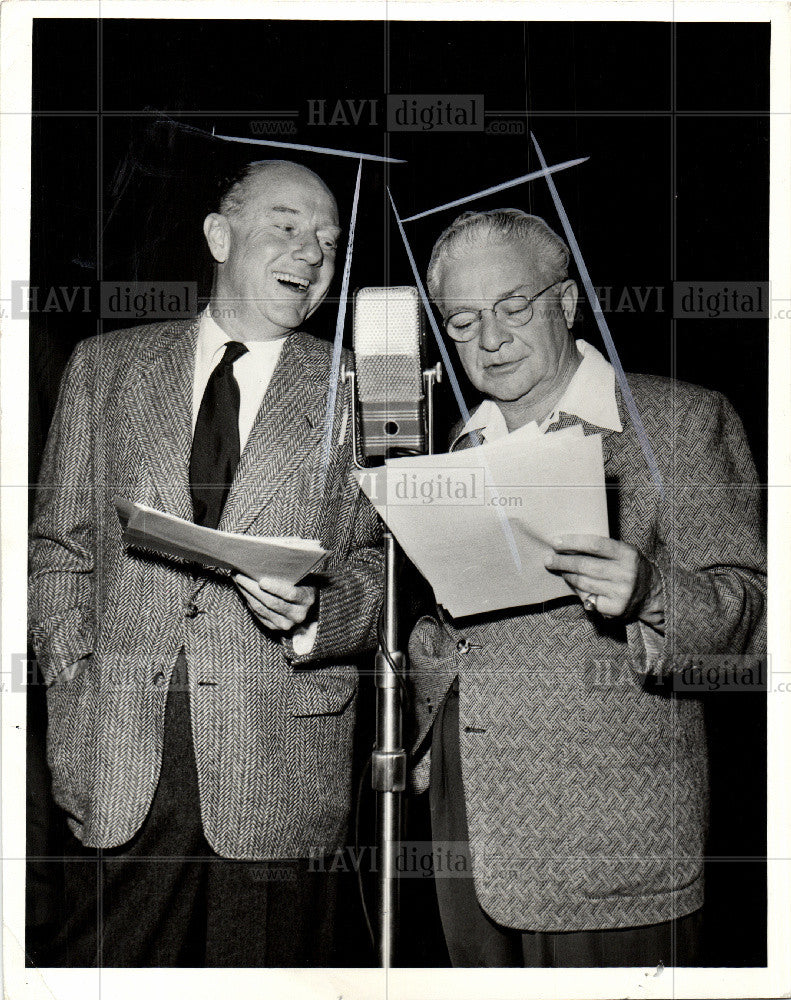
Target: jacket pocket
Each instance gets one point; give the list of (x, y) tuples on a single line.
[(430, 641), (316, 693)]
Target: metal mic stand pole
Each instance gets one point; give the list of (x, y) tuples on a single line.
[(388, 758)]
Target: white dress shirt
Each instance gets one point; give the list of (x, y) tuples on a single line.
[(590, 395), (252, 371)]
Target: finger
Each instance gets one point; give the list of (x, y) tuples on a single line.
[(255, 605), (581, 582), (271, 618), (248, 586), (597, 568), (609, 608), (269, 585), (261, 603), (293, 613), (277, 622), (277, 605), (285, 591), (594, 545), (306, 597)]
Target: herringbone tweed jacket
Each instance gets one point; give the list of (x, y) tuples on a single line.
[(585, 775), (272, 730)]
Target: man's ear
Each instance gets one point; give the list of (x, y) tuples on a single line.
[(217, 231), (569, 294)]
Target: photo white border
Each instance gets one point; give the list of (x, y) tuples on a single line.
[(366, 984)]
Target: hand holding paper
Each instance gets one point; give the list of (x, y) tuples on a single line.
[(478, 523), (616, 574), (275, 604)]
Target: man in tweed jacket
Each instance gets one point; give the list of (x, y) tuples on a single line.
[(248, 685), (556, 740)]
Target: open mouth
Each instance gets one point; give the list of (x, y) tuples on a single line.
[(293, 282)]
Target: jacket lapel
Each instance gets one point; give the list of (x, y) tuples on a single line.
[(160, 408), (639, 496), (288, 425)]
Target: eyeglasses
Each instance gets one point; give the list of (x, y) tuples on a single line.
[(513, 310)]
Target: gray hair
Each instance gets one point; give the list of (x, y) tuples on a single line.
[(501, 225)]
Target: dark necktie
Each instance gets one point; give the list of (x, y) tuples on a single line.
[(215, 444)]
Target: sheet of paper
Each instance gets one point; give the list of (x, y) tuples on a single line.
[(477, 523), (286, 559)]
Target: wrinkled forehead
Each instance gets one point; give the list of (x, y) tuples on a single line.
[(487, 266), (294, 190)]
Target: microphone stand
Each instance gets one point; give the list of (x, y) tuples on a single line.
[(388, 757)]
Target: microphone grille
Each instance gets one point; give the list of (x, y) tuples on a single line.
[(387, 343), (387, 320)]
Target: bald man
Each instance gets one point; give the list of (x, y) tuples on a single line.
[(200, 723)]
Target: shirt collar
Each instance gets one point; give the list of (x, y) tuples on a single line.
[(212, 340), (211, 337), (591, 393), (590, 396)]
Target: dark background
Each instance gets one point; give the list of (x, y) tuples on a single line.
[(676, 189)]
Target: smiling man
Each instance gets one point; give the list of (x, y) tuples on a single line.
[(555, 743), (200, 725)]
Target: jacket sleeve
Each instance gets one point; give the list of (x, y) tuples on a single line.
[(62, 535), (350, 597), (710, 550), (350, 602)]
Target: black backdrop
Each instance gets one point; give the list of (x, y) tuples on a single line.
[(674, 120)]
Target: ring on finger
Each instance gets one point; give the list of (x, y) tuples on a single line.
[(590, 602)]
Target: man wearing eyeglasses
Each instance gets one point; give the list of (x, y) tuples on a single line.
[(563, 767)]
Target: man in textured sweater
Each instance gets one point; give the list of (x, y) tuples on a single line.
[(200, 725), (553, 736)]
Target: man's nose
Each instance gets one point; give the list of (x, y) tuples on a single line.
[(309, 250), (493, 335)]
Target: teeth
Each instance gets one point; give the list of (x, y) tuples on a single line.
[(292, 279)]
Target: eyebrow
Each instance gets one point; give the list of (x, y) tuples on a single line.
[(288, 210), (499, 298), (514, 290)]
